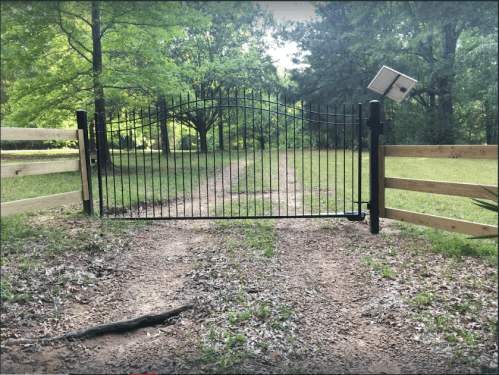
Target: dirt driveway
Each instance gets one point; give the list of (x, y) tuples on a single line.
[(340, 319), (282, 296)]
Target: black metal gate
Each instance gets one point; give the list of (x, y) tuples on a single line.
[(232, 156)]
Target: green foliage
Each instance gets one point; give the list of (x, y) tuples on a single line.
[(449, 48), (48, 55)]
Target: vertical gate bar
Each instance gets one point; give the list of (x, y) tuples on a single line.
[(198, 139), (206, 160), (197, 151), (121, 169), (270, 157), (221, 132), (245, 135), (152, 163), (262, 145), (359, 179), (190, 152), (182, 152), (374, 171), (105, 142), (128, 140), (353, 162), (214, 155), (319, 149), (230, 152), (278, 160), (311, 157), (286, 153), (344, 159), (99, 162), (112, 153), (302, 159), (254, 149), (160, 152), (237, 143), (134, 144), (327, 157), (294, 149), (144, 156), (335, 158), (174, 160)]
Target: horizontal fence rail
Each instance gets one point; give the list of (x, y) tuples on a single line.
[(233, 156), (436, 187), (31, 169)]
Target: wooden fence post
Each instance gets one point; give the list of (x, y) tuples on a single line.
[(382, 183), (375, 126), (84, 146)]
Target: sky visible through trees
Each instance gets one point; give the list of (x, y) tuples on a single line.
[(108, 57)]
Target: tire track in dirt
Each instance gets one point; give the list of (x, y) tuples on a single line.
[(356, 321)]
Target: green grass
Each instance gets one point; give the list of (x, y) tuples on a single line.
[(252, 235), (247, 207), (324, 178), (29, 246), (144, 178), (475, 171), (261, 174), (308, 179), (137, 175)]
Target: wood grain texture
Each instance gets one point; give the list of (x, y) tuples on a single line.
[(440, 187), (452, 225), (460, 151), (32, 169), (381, 173), (32, 204), (34, 134), (83, 166)]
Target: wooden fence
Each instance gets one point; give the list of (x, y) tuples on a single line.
[(30, 169), (435, 187)]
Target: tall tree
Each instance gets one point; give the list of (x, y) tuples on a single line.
[(226, 53), (82, 52), (417, 38)]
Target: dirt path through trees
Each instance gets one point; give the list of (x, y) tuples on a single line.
[(307, 304)]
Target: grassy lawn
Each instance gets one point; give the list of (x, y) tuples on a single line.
[(143, 177), (325, 177), (151, 176)]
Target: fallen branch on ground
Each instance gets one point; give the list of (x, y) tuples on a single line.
[(124, 325)]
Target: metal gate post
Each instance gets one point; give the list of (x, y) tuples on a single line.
[(98, 133), (81, 119), (376, 129)]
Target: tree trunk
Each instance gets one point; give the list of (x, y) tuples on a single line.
[(445, 83), (204, 144), (92, 137), (262, 143), (165, 141), (98, 88), (490, 123)]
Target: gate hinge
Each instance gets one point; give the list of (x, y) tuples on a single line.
[(368, 205)]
